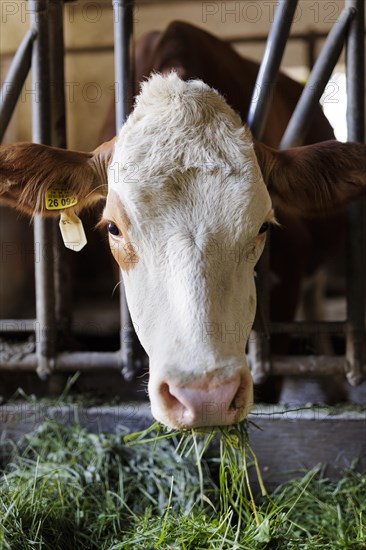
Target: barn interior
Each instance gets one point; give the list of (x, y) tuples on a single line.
[(93, 296), (90, 328)]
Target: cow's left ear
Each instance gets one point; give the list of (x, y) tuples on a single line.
[(314, 178), (30, 173)]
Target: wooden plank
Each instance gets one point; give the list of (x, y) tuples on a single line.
[(288, 442), (291, 442)]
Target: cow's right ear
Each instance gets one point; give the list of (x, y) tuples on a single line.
[(313, 179), (29, 170)]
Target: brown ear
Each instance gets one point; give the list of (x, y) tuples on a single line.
[(29, 170), (312, 179)]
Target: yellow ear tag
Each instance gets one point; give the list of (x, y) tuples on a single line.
[(58, 198), (72, 231)]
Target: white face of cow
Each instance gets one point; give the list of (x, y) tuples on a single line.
[(186, 207)]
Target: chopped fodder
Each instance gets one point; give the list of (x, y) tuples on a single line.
[(65, 488)]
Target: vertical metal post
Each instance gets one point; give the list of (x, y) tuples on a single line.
[(57, 73), (259, 348), (62, 272), (356, 244), (268, 72), (43, 229), (123, 52), (62, 267), (123, 60)]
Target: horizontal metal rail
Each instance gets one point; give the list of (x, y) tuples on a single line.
[(309, 38), (307, 365), (18, 325), (69, 361), (309, 327), (294, 327)]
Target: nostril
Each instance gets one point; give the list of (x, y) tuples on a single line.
[(237, 399), (175, 403), (167, 397)]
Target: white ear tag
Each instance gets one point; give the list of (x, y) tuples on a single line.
[(72, 231)]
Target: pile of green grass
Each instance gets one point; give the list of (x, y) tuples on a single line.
[(64, 488)]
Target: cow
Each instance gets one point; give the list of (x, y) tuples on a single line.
[(194, 53), (189, 198)]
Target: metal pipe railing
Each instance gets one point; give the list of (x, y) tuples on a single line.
[(14, 80), (124, 67), (62, 267), (307, 365), (43, 228), (269, 69), (302, 117), (356, 219), (259, 348)]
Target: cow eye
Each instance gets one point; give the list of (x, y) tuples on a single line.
[(263, 228), (113, 229)]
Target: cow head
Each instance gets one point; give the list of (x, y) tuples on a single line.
[(187, 210)]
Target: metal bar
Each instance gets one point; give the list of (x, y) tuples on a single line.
[(43, 229), (123, 61), (17, 325), (123, 44), (295, 327), (14, 80), (268, 72), (309, 327), (62, 264), (69, 361), (302, 117), (62, 267), (254, 39), (259, 347), (259, 342), (356, 237), (295, 37), (308, 365), (57, 73)]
